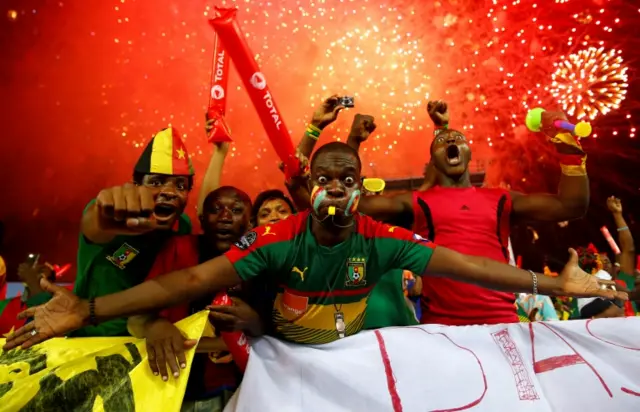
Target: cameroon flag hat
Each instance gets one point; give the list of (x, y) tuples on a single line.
[(165, 154)]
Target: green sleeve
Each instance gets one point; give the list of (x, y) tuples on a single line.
[(252, 261), (39, 299), (411, 254), (3, 304), (184, 225), (258, 262), (87, 251), (628, 279)]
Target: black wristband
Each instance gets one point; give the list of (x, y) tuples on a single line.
[(92, 312)]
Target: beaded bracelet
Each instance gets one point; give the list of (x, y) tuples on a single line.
[(92, 312), (313, 132)]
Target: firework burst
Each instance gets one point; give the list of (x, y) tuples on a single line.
[(590, 82)]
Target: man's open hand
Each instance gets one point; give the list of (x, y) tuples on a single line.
[(166, 345), (577, 283), (64, 313)]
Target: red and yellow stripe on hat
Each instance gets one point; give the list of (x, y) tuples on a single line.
[(165, 154)]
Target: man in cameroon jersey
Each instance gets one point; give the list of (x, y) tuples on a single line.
[(324, 263)]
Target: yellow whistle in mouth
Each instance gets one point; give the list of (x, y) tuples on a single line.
[(332, 210)]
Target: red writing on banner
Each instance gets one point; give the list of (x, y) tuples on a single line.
[(562, 361), (588, 327), (388, 370), (524, 384), (475, 402)]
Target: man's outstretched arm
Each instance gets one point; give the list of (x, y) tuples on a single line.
[(387, 208), (487, 273), (411, 252), (65, 312), (571, 201), (500, 276), (169, 290)]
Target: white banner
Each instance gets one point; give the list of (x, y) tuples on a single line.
[(544, 366)]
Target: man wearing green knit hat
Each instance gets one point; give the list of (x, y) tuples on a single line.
[(124, 228)]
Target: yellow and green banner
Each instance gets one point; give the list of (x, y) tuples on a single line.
[(91, 374)]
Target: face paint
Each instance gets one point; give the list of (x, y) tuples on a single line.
[(352, 206), (318, 194)]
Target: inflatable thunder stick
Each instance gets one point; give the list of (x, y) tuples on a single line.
[(230, 34), (218, 102), (610, 240), (236, 341), (534, 123)]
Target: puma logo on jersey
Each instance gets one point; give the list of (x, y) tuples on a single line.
[(392, 228), (300, 272), (267, 231)]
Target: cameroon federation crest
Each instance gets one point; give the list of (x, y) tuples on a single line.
[(356, 272), (123, 256)]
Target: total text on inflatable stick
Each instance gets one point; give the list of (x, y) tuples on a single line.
[(218, 98), (229, 32)]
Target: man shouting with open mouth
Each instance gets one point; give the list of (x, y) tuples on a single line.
[(125, 227)]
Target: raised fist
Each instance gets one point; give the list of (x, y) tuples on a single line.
[(438, 112), (614, 204), (363, 125), (128, 207)]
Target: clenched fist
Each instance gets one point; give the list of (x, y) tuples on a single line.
[(614, 204), (362, 127), (438, 112), (127, 207)]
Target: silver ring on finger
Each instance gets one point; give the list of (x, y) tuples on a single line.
[(34, 332)]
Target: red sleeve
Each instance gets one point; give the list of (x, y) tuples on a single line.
[(180, 252), (283, 231)]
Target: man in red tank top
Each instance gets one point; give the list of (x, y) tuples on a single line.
[(476, 221)]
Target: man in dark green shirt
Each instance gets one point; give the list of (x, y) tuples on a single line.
[(125, 227)]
